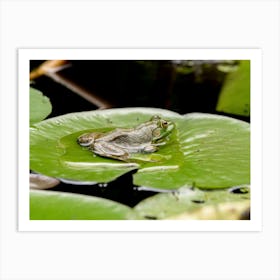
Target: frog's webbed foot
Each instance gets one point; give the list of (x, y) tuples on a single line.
[(108, 150), (159, 144)]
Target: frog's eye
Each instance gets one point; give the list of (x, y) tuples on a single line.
[(164, 124)]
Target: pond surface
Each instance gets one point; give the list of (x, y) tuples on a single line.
[(121, 190)]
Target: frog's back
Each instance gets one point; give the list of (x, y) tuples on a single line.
[(132, 138)]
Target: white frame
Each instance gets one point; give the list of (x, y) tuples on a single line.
[(140, 255)]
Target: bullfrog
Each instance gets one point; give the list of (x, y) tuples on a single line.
[(122, 143)]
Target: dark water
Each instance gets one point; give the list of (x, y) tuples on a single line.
[(121, 190)]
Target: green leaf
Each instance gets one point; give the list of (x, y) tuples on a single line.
[(187, 203), (214, 152), (54, 150), (206, 151), (235, 94), (50, 205), (40, 106), (163, 205)]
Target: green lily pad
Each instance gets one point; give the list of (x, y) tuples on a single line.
[(206, 151), (235, 94), (40, 106), (214, 152), (54, 150), (50, 205), (188, 203)]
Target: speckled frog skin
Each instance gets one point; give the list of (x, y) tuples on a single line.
[(121, 143)]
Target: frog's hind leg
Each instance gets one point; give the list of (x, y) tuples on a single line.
[(109, 150)]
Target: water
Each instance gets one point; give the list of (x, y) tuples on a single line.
[(121, 190)]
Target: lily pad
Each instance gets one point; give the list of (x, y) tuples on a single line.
[(189, 203), (50, 205), (54, 150), (40, 106), (235, 94), (206, 151), (214, 152)]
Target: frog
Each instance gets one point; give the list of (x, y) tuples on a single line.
[(123, 143)]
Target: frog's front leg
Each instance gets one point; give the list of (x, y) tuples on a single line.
[(153, 147), (150, 149), (159, 144), (108, 150)]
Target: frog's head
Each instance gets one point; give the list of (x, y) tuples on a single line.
[(163, 128)]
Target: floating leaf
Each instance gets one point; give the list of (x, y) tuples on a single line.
[(163, 205), (187, 203), (50, 205), (206, 151), (40, 106), (235, 94), (214, 152), (54, 150)]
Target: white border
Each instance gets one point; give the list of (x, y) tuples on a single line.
[(25, 55)]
